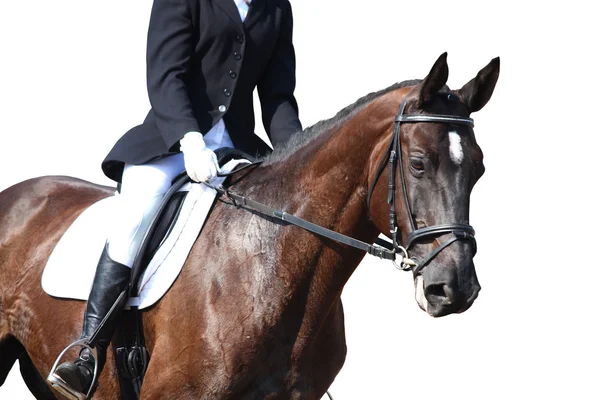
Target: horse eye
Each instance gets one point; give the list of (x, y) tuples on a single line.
[(417, 164)]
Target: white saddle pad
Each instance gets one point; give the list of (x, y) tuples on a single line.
[(69, 272)]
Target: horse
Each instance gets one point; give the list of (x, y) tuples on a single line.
[(256, 310)]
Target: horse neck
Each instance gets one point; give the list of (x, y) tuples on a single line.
[(325, 182)]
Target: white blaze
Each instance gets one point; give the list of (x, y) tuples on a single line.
[(456, 151)]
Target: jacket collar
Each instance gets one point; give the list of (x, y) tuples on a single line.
[(230, 7)]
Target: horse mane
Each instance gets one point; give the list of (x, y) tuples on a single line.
[(300, 139)]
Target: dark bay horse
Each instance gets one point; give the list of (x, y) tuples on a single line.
[(256, 312)]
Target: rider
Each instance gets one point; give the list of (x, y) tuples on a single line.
[(204, 59)]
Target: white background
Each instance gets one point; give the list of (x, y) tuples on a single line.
[(72, 81)]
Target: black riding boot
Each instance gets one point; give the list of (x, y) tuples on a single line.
[(110, 280)]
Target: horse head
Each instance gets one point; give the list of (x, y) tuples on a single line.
[(440, 164)]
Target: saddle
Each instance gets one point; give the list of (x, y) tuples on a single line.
[(130, 353)]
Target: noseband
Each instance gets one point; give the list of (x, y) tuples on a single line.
[(460, 232)]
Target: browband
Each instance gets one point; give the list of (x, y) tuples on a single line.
[(449, 119)]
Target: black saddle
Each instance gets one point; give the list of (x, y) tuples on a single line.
[(173, 204), (172, 207)]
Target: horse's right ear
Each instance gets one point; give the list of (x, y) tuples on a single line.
[(434, 81), (478, 91)]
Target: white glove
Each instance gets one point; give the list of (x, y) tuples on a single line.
[(200, 162)]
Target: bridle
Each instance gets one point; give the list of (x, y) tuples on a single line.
[(382, 248), (460, 232)]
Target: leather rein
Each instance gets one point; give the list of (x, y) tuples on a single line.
[(382, 248)]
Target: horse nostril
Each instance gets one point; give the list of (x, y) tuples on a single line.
[(439, 294)]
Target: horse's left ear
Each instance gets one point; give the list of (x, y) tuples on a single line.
[(437, 78), (478, 91)]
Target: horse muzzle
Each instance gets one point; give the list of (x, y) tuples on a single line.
[(441, 290)]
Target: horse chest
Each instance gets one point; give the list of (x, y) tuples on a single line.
[(260, 360)]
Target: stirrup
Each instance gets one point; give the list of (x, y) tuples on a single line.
[(63, 387)]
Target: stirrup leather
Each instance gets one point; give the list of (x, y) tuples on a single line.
[(63, 387)]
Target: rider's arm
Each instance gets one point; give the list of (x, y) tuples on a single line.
[(170, 46), (276, 86)]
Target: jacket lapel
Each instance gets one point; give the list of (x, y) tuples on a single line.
[(254, 13), (231, 9)]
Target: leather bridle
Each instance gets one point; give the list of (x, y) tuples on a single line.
[(393, 155), (381, 248)]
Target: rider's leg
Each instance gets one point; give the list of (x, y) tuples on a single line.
[(142, 188)]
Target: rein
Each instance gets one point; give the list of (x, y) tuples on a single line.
[(240, 201), (382, 248)]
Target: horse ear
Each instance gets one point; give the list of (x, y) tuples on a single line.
[(434, 81), (478, 91)]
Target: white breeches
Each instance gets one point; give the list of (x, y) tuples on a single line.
[(142, 189)]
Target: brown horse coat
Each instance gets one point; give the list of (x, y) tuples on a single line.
[(256, 311)]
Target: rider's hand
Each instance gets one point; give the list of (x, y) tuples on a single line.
[(200, 162)]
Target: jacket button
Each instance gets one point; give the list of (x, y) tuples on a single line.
[(222, 108), (232, 74), (237, 56), (239, 38), (227, 92)]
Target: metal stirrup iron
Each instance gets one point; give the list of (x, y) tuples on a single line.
[(63, 387)]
